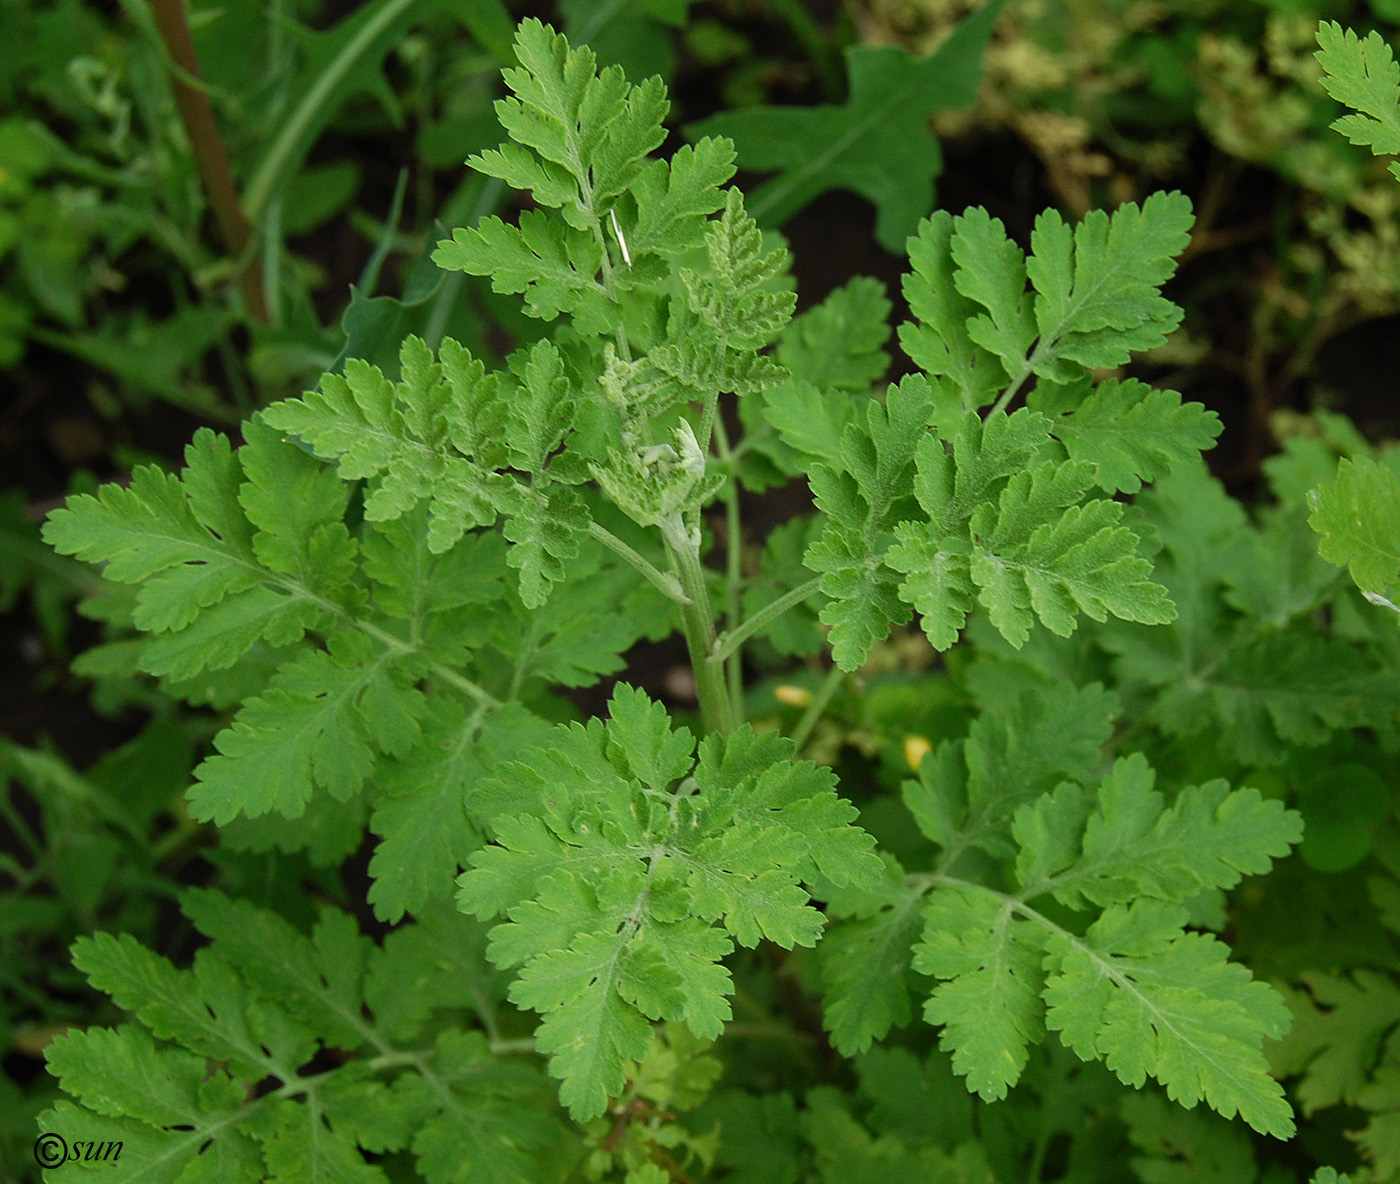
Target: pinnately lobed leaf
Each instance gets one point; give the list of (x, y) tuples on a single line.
[(1136, 989), (1362, 73), (631, 869)]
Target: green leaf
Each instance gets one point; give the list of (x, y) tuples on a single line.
[(1358, 517), (260, 1002), (203, 1009), (434, 436), (1264, 693), (1181, 1145), (1153, 1000), (631, 870), (412, 584), (1128, 431), (809, 421), (594, 618), (864, 962), (734, 311), (939, 340), (1132, 846), (199, 558), (991, 272), (1363, 75), (990, 1006), (1096, 295), (426, 834), (296, 509), (1031, 550), (318, 981), (1135, 989), (876, 144), (1340, 1023), (132, 1152), (1097, 300), (674, 198), (542, 410), (545, 529), (1022, 563), (1276, 574), (968, 790), (553, 265), (580, 142), (936, 556), (495, 1126), (321, 722), (859, 500), (839, 344), (1344, 806), (122, 1074), (591, 123)]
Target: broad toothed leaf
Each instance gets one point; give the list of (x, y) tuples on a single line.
[(1128, 431), (320, 723), (1097, 296)]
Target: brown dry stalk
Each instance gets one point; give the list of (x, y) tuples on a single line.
[(210, 155)]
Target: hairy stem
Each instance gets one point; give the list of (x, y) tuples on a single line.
[(210, 155), (734, 575), (665, 582), (734, 638), (699, 627)]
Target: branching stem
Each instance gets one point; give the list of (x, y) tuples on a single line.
[(730, 642), (665, 582)]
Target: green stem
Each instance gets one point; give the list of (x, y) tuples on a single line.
[(1042, 1145), (601, 16), (270, 169), (665, 582), (21, 828), (699, 627), (734, 638), (734, 575), (817, 707)]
